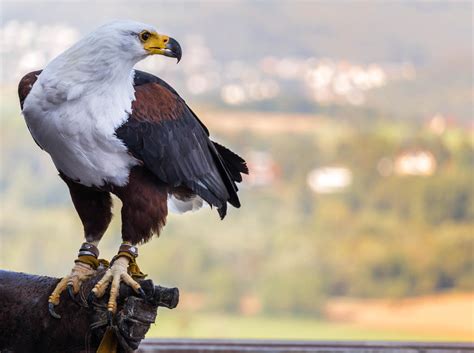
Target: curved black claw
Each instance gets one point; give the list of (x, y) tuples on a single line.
[(90, 298), (70, 290), (52, 312), (142, 294)]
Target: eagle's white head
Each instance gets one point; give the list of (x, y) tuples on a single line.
[(128, 41), (103, 59), (105, 56)]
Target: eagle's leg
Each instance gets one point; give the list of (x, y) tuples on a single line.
[(84, 268), (144, 212), (123, 269), (94, 209)]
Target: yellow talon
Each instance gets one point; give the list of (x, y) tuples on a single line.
[(115, 274), (60, 287), (79, 273)]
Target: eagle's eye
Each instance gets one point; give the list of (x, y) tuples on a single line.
[(144, 36)]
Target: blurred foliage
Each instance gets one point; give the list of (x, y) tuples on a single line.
[(204, 325), (388, 236)]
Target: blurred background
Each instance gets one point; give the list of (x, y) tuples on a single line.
[(357, 124)]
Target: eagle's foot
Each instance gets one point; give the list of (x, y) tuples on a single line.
[(79, 273), (115, 274)]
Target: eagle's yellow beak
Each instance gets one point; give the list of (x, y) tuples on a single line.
[(155, 43)]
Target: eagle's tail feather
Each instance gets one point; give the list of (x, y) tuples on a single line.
[(235, 164)]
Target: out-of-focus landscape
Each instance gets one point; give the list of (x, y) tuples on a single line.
[(356, 121)]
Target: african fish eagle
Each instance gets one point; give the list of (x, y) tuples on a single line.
[(112, 129)]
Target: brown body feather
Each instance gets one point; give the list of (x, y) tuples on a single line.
[(154, 103), (144, 207), (24, 87)]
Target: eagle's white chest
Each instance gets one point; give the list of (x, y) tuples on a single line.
[(78, 131)]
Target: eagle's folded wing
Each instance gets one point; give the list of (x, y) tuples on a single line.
[(173, 144)]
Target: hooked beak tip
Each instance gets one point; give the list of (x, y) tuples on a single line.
[(174, 49)]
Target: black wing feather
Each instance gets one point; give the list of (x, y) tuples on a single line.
[(234, 163), (177, 152), (180, 153)]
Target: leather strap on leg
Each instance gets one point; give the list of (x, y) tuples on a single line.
[(88, 254), (131, 252), (88, 249)]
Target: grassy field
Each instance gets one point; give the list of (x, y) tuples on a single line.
[(201, 325)]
